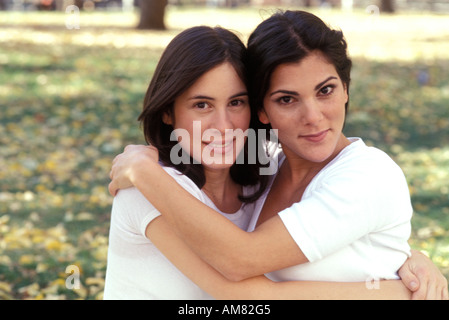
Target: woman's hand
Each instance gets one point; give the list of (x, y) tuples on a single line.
[(126, 164), (422, 277)]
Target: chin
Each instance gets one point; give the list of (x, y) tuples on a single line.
[(319, 158), (217, 166)]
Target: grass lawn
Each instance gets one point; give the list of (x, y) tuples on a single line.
[(69, 100)]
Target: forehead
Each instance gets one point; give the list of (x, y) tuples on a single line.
[(313, 68), (221, 78)]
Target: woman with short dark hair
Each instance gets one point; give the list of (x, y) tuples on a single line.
[(336, 210)]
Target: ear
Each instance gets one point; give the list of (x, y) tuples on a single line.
[(167, 119), (263, 117), (346, 93)]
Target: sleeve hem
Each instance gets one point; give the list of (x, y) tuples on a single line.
[(299, 236)]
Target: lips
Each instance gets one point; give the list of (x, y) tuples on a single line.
[(220, 146), (315, 137)]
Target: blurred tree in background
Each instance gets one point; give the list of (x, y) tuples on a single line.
[(152, 13), (387, 6)]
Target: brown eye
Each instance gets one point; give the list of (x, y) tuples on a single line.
[(285, 100), (327, 90), (202, 105), (236, 103)]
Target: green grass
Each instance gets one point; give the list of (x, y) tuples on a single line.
[(69, 100)]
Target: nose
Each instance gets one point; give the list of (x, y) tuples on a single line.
[(311, 112), (223, 121)]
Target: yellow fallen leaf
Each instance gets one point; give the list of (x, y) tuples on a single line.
[(26, 259), (53, 245), (95, 281), (4, 286)]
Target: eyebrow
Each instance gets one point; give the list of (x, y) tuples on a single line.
[(294, 93), (323, 82), (243, 93), (201, 97)]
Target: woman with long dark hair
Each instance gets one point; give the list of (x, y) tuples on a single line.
[(198, 85), (336, 210)]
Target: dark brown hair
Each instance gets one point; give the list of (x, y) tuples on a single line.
[(288, 37), (188, 56)]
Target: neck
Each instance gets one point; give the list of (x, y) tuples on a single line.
[(297, 174), (222, 190)]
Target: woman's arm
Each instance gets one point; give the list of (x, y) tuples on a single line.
[(233, 252), (237, 254), (211, 281)]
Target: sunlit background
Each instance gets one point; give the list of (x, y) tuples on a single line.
[(71, 89)]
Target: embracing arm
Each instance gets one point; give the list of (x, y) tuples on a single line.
[(248, 252), (260, 287), (233, 252), (232, 249)]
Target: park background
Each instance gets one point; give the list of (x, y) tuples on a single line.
[(72, 85)]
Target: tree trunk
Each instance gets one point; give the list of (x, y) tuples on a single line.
[(152, 14), (387, 6)]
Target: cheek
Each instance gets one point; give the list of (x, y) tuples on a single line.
[(242, 120), (340, 112), (276, 119), (334, 109), (189, 133)]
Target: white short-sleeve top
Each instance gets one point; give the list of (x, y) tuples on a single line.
[(353, 221), (136, 269)]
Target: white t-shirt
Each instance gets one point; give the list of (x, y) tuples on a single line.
[(353, 221), (136, 269)]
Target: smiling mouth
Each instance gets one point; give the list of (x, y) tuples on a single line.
[(220, 147), (316, 137)]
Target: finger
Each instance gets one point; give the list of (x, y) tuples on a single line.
[(409, 279), (128, 147), (442, 290), (112, 189), (115, 159), (432, 292), (423, 291), (420, 294), (445, 294), (155, 150)]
